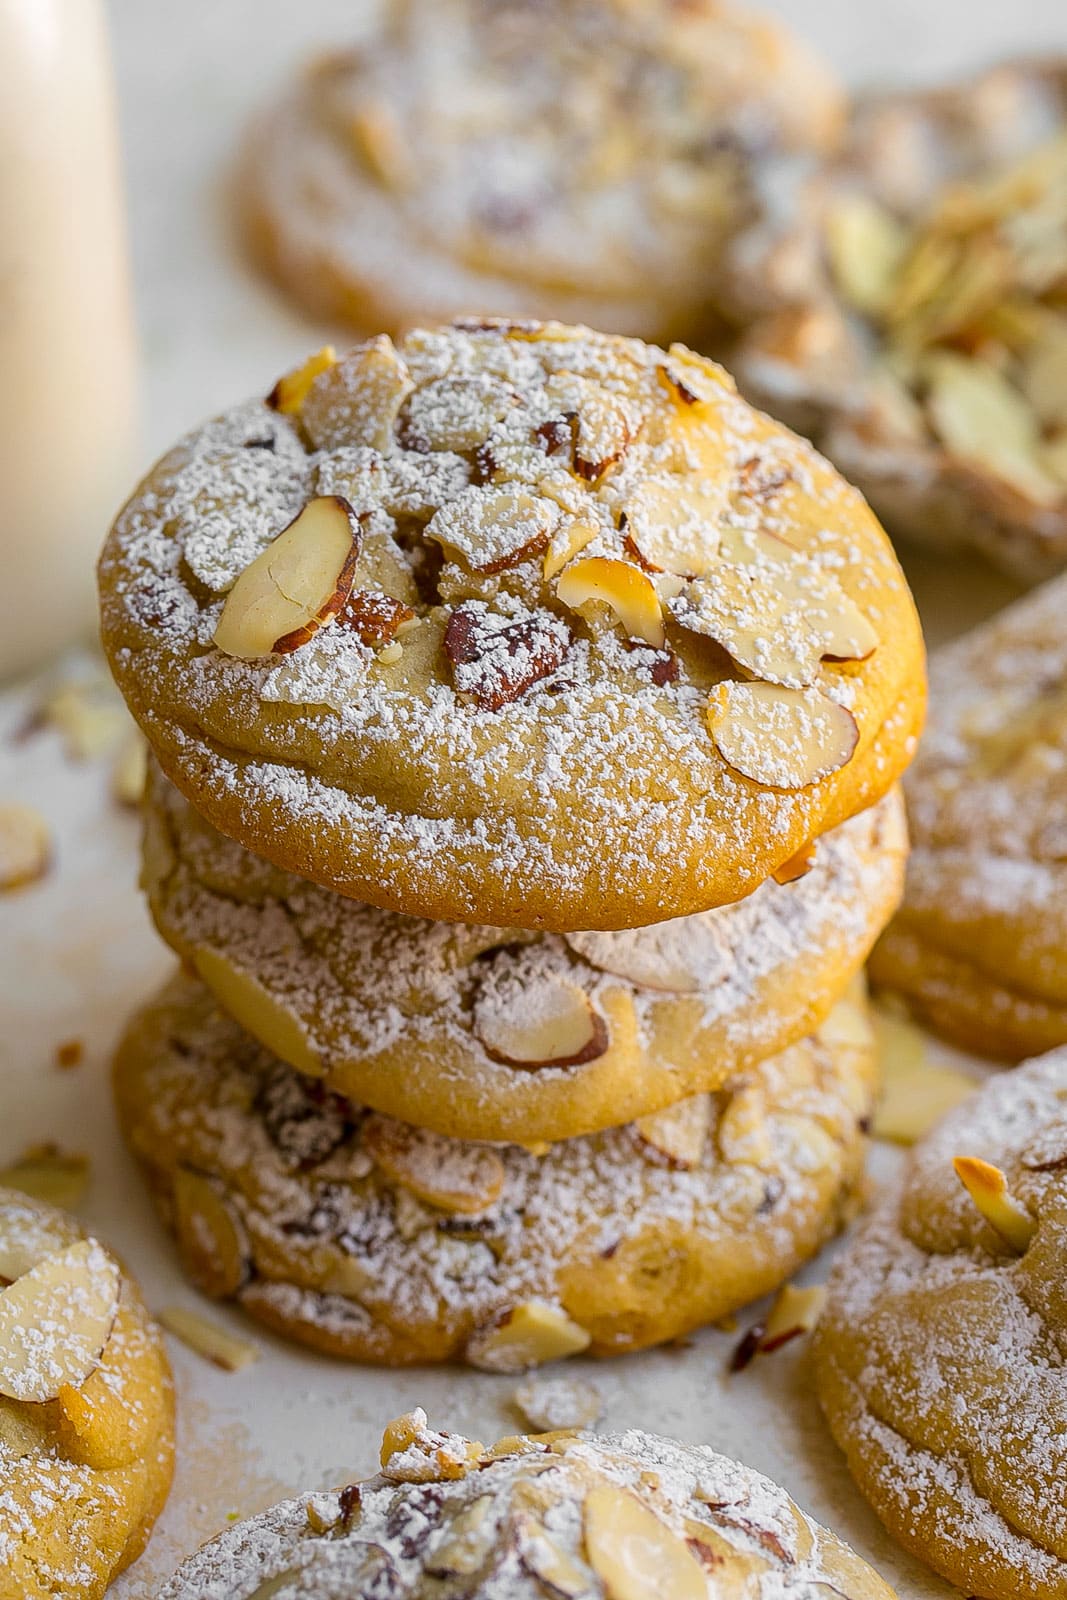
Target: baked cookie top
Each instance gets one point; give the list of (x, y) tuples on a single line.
[(513, 623), (941, 1354), (987, 799), (498, 1033), (384, 1242), (911, 318), (624, 1516), (583, 159), (86, 1408)]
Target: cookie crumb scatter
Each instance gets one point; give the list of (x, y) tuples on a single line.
[(70, 1053)]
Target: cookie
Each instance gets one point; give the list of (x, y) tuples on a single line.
[(940, 1355), (622, 1516), (371, 1239), (432, 634), (86, 1409), (580, 159), (910, 318), (979, 947)]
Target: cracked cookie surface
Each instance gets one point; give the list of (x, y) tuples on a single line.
[(940, 1356), (371, 1239), (517, 624)]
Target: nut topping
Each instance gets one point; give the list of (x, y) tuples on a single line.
[(988, 1188), (294, 587), (496, 659), (528, 1336), (672, 524), (688, 955), (413, 1453), (679, 1132), (356, 400), (634, 1553), (545, 1561), (208, 1339), (628, 591), (492, 529), (450, 1174), (550, 1403), (783, 738), (211, 1237), (290, 392), (256, 1009), (542, 1020), (55, 1321)]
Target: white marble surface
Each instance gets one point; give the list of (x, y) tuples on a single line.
[(78, 950)]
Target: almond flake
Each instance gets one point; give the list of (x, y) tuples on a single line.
[(451, 1174), (528, 1336), (47, 1174), (679, 1132), (916, 1091), (55, 1321), (492, 529), (782, 737), (634, 1553), (356, 400), (208, 1339), (628, 591), (290, 391), (541, 1020), (988, 1188)]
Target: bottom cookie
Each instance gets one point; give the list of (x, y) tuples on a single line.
[(86, 1410), (626, 1516), (368, 1238), (941, 1357)]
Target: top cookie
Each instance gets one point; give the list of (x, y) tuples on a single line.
[(624, 1516), (559, 632), (911, 319), (581, 159)]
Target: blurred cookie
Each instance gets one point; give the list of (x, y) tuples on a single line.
[(86, 1409), (911, 320), (378, 1241), (515, 624), (626, 1516), (579, 159), (979, 946), (941, 1354), (494, 1033)]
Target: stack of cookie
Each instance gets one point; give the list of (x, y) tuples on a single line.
[(527, 711)]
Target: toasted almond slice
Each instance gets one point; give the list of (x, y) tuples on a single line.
[(634, 1553), (531, 1334), (290, 391), (784, 738), (356, 400), (687, 955), (568, 541), (215, 1344), (916, 1090), (988, 1188), (672, 522), (604, 426), (743, 1135), (49, 1175), (984, 420), (55, 1321), (546, 1021), (25, 847), (492, 529), (629, 592), (679, 1132), (544, 1560), (866, 246), (466, 1542), (211, 1237), (452, 1174), (548, 1404), (795, 1312), (256, 1009), (797, 866), (295, 586), (129, 770)]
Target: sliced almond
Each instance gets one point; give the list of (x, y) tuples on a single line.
[(634, 1553), (492, 529), (129, 771), (451, 1174), (55, 1321), (984, 420), (629, 592), (743, 1134), (783, 738), (679, 1132), (798, 866), (466, 1543), (25, 847), (256, 1009), (548, 1404), (533, 1333), (687, 955), (544, 1021), (795, 1312), (988, 1188), (543, 1559), (605, 422), (414, 1453), (212, 1240), (207, 1339), (672, 522), (866, 246), (357, 400), (290, 391), (294, 587), (458, 414), (568, 541), (916, 1090), (49, 1175), (692, 379)]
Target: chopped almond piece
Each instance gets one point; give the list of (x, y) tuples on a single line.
[(629, 592), (290, 391), (988, 1188), (25, 847)]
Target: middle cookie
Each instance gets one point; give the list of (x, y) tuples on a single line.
[(502, 1033)]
